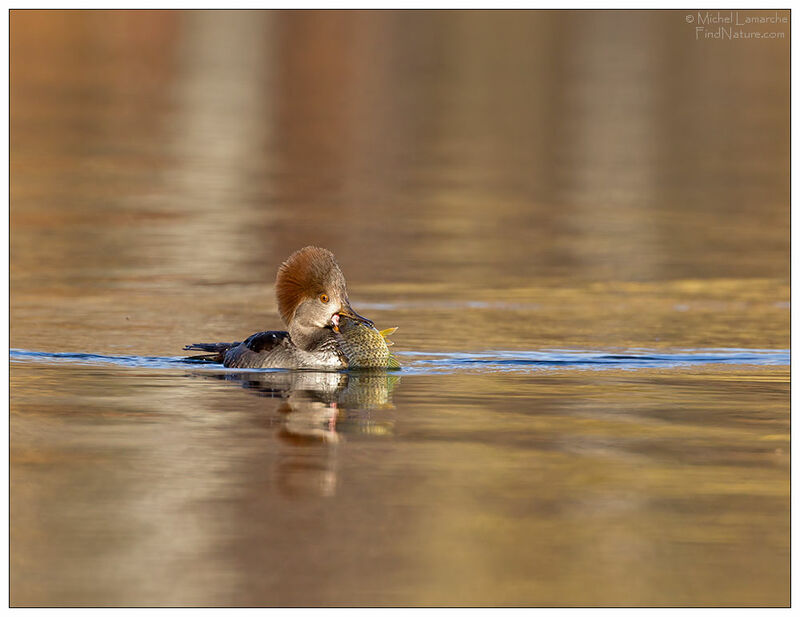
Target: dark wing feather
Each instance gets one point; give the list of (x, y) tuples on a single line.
[(265, 341), (238, 354), (214, 352), (255, 350)]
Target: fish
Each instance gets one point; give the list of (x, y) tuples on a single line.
[(364, 346)]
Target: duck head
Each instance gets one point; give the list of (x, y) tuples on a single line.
[(312, 296)]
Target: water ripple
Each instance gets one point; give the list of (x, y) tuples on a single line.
[(491, 361), (483, 361)]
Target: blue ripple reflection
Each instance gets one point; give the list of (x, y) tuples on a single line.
[(422, 363)]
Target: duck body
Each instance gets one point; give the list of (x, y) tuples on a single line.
[(272, 349), (312, 299)]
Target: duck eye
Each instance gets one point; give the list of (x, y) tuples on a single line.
[(324, 298)]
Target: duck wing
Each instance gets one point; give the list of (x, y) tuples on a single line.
[(214, 352), (260, 342)]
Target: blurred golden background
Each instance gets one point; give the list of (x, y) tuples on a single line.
[(506, 156), (504, 180)]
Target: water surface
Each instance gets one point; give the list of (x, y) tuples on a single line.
[(578, 220)]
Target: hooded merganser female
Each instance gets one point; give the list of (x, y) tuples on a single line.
[(312, 298)]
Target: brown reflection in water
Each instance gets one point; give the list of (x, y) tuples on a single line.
[(319, 408), (576, 488), (164, 471)]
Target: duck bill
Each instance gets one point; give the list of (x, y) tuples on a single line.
[(347, 311)]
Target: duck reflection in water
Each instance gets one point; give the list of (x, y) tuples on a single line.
[(317, 411)]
